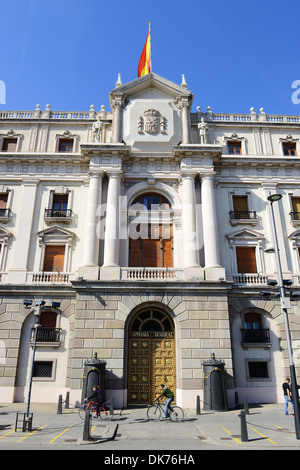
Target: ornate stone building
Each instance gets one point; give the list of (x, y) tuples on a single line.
[(144, 230)]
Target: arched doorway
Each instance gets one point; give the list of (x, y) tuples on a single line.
[(151, 355)]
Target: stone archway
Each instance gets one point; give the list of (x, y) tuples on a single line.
[(151, 355)]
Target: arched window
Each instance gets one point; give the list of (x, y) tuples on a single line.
[(150, 232), (152, 201), (48, 330), (253, 330), (151, 320)]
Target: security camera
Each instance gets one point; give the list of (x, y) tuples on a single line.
[(264, 293), (55, 304), (272, 282), (295, 295), (27, 303)]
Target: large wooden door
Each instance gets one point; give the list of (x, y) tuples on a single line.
[(151, 356)]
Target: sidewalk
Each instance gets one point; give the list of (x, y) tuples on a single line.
[(267, 428)]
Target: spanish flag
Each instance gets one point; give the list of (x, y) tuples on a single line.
[(144, 66)]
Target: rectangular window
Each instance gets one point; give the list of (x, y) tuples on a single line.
[(3, 204), (295, 214), (246, 260), (258, 370), (289, 149), (54, 258), (60, 205), (65, 145), (9, 144), (43, 369), (240, 203), (234, 148)]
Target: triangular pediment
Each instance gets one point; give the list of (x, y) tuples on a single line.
[(151, 80), (245, 234), (55, 232)]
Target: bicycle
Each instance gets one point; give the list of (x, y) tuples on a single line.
[(175, 413), (105, 412)]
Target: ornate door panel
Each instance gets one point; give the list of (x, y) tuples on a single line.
[(139, 370), (163, 363), (151, 356)]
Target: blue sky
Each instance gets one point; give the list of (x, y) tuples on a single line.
[(68, 53)]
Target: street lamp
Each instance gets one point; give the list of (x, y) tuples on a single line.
[(285, 304), (37, 312)]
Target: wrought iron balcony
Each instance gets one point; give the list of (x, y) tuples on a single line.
[(260, 335), (46, 334), (295, 215), (5, 215), (58, 215), (238, 215)]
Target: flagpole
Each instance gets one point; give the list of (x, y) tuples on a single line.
[(150, 47)]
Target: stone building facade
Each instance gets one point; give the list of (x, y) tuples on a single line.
[(144, 230)]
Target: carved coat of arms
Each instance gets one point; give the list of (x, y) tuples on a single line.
[(152, 123)]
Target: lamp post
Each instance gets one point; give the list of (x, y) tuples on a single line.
[(285, 304), (37, 313)]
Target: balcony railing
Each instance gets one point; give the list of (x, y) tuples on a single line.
[(50, 277), (46, 335), (58, 213), (248, 279), (151, 274), (261, 335), (295, 215), (236, 215)]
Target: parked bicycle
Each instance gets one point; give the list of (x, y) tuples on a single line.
[(105, 412), (154, 412)]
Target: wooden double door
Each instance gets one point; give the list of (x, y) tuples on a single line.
[(151, 357)]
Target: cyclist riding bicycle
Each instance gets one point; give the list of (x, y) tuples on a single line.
[(166, 392), (96, 397)]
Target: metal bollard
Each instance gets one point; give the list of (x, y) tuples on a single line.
[(112, 405), (59, 405), (86, 427), (198, 409), (244, 432), (246, 407), (67, 402)]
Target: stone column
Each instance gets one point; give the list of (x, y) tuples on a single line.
[(117, 105), (213, 270), (191, 265), (17, 273), (90, 268), (184, 106), (111, 268)]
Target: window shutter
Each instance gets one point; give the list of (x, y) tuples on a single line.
[(54, 258), (3, 201), (151, 254), (296, 204), (240, 203), (246, 261), (134, 253), (9, 145), (48, 319)]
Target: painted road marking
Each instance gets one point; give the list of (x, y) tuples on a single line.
[(7, 434), (33, 432), (230, 434), (270, 440), (61, 433)]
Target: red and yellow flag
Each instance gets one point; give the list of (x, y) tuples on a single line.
[(144, 66)]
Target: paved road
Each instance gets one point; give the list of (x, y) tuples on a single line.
[(130, 431)]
